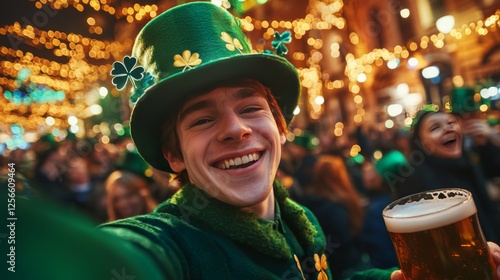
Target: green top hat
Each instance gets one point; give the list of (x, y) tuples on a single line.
[(462, 100), (131, 161), (306, 140), (390, 163), (192, 48)]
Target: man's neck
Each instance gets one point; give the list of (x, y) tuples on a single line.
[(266, 208)]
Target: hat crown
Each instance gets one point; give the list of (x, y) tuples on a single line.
[(187, 36)]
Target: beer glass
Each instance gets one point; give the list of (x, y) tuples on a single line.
[(436, 235)]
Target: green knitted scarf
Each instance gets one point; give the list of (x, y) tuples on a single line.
[(241, 226)]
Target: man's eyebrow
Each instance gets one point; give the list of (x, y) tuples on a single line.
[(195, 107), (244, 93), (202, 104)]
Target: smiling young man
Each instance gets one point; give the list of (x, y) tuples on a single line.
[(231, 145), (216, 116)]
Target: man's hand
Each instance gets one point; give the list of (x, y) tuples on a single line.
[(495, 252)]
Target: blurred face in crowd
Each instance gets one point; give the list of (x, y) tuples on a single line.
[(127, 195), (230, 144), (127, 201), (78, 172), (441, 135), (371, 179)]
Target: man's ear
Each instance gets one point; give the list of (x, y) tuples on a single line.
[(282, 138), (176, 163)]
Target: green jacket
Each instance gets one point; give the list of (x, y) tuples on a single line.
[(47, 241), (194, 236)]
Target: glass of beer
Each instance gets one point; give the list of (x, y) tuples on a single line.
[(436, 235)]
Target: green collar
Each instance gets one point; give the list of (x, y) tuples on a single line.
[(276, 223), (241, 226)]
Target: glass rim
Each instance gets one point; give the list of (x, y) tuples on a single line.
[(406, 199)]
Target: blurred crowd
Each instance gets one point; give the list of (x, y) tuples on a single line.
[(345, 180), (348, 180), (105, 182)]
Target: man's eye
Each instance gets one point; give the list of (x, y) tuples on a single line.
[(251, 109), (200, 122)]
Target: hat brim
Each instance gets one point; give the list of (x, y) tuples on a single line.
[(152, 109)]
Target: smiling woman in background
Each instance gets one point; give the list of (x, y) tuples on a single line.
[(128, 188), (127, 195), (438, 160)]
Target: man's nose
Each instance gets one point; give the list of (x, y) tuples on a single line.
[(232, 127)]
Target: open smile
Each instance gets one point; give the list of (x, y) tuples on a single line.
[(450, 142), (238, 162)]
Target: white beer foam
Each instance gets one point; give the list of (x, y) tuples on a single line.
[(429, 213)]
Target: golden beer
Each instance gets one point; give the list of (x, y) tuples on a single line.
[(437, 235)]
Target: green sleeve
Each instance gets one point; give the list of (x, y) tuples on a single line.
[(147, 233)]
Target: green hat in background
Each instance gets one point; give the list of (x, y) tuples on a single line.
[(71, 136), (190, 49), (133, 162), (390, 163), (124, 132), (462, 100), (306, 140)]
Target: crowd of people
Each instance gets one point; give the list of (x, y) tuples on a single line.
[(105, 182), (213, 187)]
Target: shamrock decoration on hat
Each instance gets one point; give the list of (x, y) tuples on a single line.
[(127, 70)]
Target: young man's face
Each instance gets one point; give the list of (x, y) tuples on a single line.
[(231, 145), (442, 135)]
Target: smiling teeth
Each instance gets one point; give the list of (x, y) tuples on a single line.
[(238, 161)]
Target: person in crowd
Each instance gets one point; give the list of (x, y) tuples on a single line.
[(85, 193), (128, 189), (342, 145), (47, 171), (438, 159), (401, 141), (216, 115), (298, 156), (377, 176), (127, 195), (334, 200), (304, 151)]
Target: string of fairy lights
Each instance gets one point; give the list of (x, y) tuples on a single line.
[(90, 59)]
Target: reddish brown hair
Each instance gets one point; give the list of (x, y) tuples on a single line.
[(332, 181)]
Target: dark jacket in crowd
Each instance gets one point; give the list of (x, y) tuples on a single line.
[(344, 250), (426, 172)]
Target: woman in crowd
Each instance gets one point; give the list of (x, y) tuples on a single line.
[(127, 195), (438, 160), (339, 208)]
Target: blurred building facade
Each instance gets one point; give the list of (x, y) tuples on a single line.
[(374, 63)]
